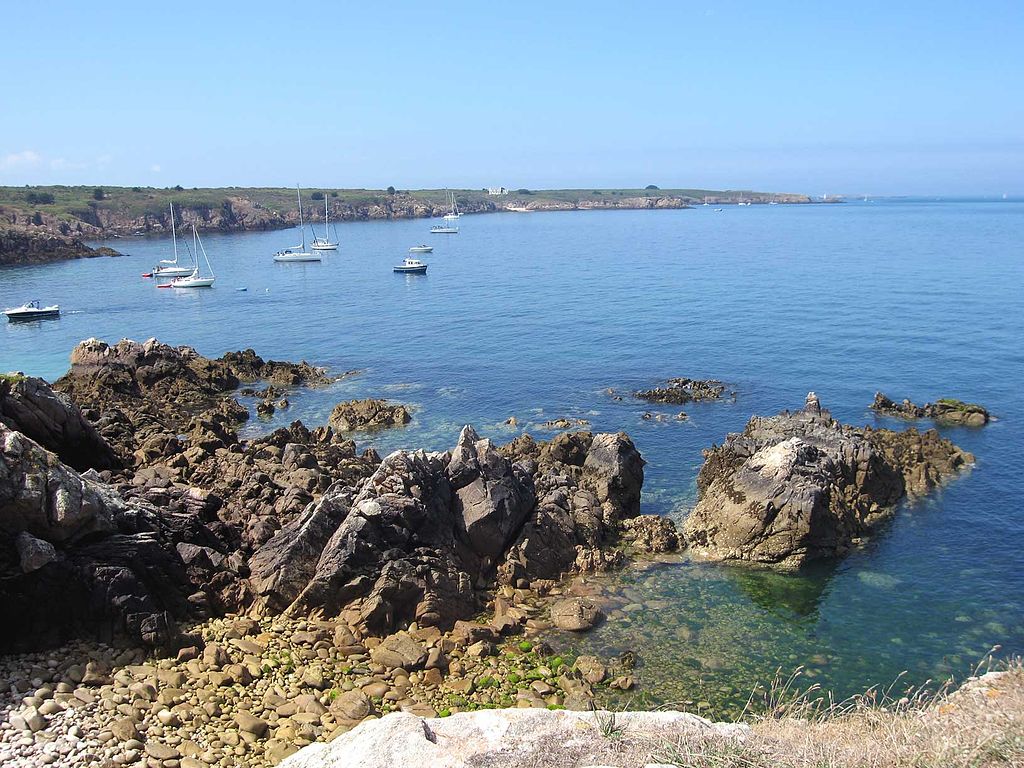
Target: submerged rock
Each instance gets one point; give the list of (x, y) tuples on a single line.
[(576, 614), (801, 486), (368, 414), (946, 410)]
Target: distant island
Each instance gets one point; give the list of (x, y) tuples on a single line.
[(39, 224)]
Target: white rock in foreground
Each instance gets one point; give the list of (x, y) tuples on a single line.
[(517, 735)]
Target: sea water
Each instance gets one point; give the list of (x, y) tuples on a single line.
[(539, 315)]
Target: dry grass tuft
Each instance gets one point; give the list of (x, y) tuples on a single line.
[(980, 725)]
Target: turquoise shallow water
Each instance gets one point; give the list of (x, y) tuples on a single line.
[(536, 315)]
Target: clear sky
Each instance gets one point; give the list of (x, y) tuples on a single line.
[(857, 97)]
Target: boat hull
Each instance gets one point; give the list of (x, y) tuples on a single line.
[(287, 257), (198, 282), (445, 230), (328, 247), (21, 315), (411, 270), (172, 272), (422, 249)]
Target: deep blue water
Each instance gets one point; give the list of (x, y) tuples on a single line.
[(537, 315)]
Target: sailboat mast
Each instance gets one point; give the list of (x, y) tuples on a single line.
[(302, 228), (174, 237), (327, 221), (202, 247)]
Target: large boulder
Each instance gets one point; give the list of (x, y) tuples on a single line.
[(509, 737), (28, 405), (800, 486)]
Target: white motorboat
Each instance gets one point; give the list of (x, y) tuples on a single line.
[(411, 267), (32, 311), (297, 252), (444, 229), (170, 267), (421, 249), (195, 280), (324, 243)]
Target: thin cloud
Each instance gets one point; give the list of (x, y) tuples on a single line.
[(16, 160)]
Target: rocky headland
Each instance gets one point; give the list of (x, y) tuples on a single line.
[(946, 411), (801, 486)]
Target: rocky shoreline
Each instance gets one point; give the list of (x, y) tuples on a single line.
[(24, 245), (217, 601)]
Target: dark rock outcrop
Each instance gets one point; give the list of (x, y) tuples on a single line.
[(945, 411), (28, 405), (801, 486), (427, 531), (682, 391), (75, 558), (135, 392), (368, 414)]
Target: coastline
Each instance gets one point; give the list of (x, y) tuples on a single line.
[(69, 214)]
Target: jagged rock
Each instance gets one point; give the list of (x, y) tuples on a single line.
[(427, 529), (946, 411), (282, 568), (368, 414), (682, 391), (801, 486), (491, 496), (28, 405)]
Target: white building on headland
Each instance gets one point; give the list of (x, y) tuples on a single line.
[(497, 191)]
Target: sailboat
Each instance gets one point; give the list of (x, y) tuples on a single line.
[(169, 267), (194, 280), (325, 244), (297, 252), (448, 227), (453, 213)]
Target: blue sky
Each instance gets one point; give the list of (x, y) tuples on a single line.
[(865, 97)]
